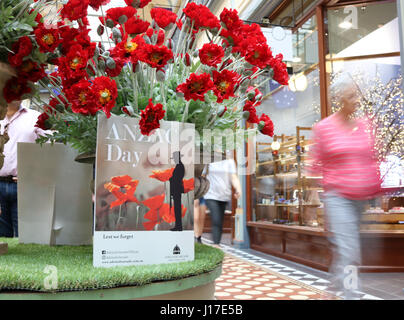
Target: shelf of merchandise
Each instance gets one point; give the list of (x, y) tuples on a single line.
[(288, 205)]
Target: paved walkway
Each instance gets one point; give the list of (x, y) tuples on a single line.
[(284, 281)]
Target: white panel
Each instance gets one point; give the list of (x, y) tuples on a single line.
[(280, 41)]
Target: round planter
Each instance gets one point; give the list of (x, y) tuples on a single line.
[(42, 272), (200, 287)]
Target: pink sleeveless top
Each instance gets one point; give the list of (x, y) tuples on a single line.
[(346, 158)]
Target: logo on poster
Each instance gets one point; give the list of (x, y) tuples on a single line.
[(177, 250)]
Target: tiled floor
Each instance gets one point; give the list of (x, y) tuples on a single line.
[(242, 280), (374, 286)]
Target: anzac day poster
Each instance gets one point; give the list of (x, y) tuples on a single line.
[(143, 193)]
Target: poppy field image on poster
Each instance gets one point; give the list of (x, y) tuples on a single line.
[(144, 192)]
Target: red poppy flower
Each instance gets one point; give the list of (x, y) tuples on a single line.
[(77, 57), (96, 4), (169, 216), (201, 16), (188, 185), (128, 50), (162, 175), (224, 84), (196, 86), (82, 98), (280, 70), (211, 54), (21, 49), (83, 39), (230, 19), (123, 188), (42, 122), (72, 66), (158, 210), (31, 71), (266, 125), (260, 55), (115, 13), (135, 25), (75, 10), (105, 92), (67, 36), (150, 117), (137, 3), (249, 106), (47, 38), (163, 17), (245, 38), (155, 56), (15, 88)]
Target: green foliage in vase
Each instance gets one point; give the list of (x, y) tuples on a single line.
[(15, 22)]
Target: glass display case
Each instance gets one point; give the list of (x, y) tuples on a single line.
[(284, 194)]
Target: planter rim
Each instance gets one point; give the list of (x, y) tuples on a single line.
[(120, 293)]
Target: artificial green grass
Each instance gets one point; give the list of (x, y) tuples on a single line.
[(22, 268)]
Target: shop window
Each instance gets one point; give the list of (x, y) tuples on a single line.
[(363, 30), (355, 51), (278, 195)]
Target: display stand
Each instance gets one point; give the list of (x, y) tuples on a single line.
[(56, 208)]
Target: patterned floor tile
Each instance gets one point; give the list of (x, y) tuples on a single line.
[(262, 284), (244, 260)]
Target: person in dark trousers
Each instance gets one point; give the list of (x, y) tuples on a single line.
[(177, 189), (19, 126), (222, 177)]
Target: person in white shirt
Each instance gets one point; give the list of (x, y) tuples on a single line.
[(222, 177), (19, 125)]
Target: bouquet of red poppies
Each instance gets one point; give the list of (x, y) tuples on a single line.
[(142, 72)]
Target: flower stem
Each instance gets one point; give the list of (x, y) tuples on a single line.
[(106, 28), (186, 111), (135, 93)]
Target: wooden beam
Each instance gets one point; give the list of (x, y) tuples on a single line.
[(322, 51), (332, 3), (278, 10), (307, 15), (358, 3), (368, 56)]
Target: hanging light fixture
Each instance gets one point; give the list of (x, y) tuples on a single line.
[(301, 82), (345, 25), (275, 145), (291, 83), (298, 82)]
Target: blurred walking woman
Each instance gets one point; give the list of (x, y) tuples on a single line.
[(344, 154)]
